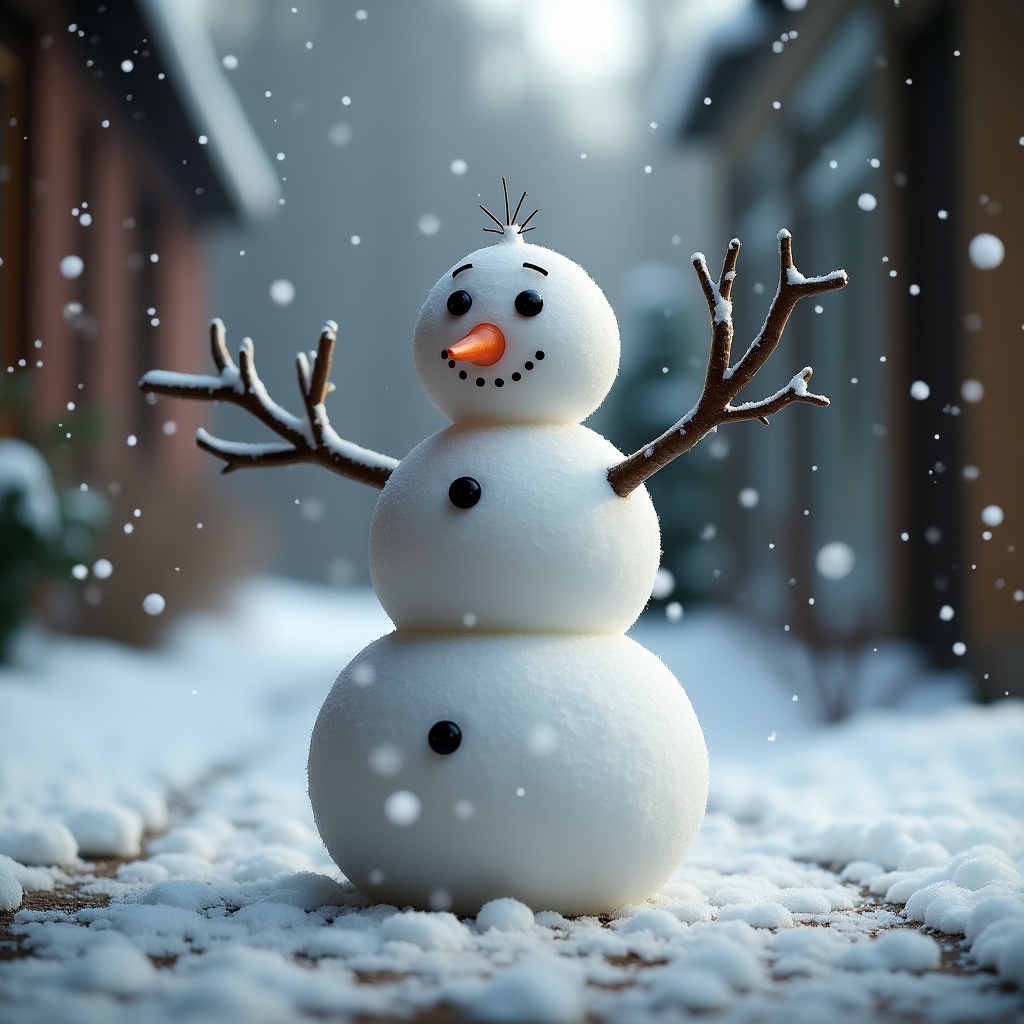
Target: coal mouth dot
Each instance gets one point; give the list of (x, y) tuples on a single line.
[(499, 382)]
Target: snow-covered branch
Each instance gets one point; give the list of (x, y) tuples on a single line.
[(722, 382), (309, 440)]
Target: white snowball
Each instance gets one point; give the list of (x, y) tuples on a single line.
[(533, 992), (664, 584), (924, 855), (153, 604), (804, 901), (30, 879), (513, 559), (72, 267), (984, 869), (866, 201), (186, 839), (992, 515), (386, 760), (142, 872), (182, 893), (575, 333), (429, 224), (758, 915), (114, 968), (282, 292), (363, 674), (989, 911), (689, 988), (835, 561), (505, 915), (624, 727), (660, 923), (107, 831), (339, 134), (262, 917), (47, 842), (919, 390), (10, 892), (428, 931), (899, 949), (542, 739), (440, 899), (736, 966), (986, 251), (972, 391), (402, 807), (748, 497), (127, 66)]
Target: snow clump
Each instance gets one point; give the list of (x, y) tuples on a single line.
[(986, 251), (46, 842), (107, 831), (505, 915)]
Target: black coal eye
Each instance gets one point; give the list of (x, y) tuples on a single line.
[(459, 303), (529, 303), (444, 737), (464, 492)]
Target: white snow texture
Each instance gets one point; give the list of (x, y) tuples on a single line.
[(249, 920)]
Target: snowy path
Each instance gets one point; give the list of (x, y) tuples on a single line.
[(867, 872)]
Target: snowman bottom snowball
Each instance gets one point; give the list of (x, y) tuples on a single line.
[(568, 772)]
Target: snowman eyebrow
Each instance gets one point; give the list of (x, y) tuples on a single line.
[(459, 270), (533, 266)]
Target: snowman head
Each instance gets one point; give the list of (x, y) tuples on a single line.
[(516, 333)]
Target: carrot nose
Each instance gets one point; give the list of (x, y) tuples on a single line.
[(484, 345)]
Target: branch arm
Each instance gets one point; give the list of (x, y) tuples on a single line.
[(722, 383), (794, 391), (793, 287), (311, 441)]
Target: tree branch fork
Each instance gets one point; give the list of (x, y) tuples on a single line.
[(722, 382), (311, 440)]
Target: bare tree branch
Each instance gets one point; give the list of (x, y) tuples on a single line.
[(310, 440), (722, 383)]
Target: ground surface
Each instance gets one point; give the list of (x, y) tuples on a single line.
[(158, 860)]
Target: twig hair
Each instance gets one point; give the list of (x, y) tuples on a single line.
[(510, 219)]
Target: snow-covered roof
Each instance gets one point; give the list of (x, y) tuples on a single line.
[(212, 106), (165, 79), (717, 71)]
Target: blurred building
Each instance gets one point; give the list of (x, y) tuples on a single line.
[(120, 141), (879, 134)]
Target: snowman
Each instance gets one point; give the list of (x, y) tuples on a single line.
[(508, 738)]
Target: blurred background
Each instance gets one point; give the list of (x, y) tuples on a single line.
[(280, 162)]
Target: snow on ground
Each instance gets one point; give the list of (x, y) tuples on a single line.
[(851, 873)]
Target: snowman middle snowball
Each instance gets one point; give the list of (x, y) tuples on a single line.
[(547, 546), (578, 776)]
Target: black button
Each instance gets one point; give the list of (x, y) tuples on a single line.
[(444, 737), (464, 492)]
